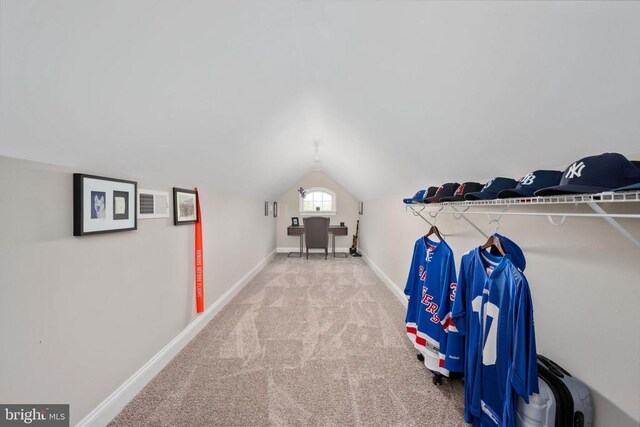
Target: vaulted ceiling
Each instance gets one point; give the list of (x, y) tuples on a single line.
[(398, 94)]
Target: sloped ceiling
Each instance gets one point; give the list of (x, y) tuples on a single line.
[(398, 94)]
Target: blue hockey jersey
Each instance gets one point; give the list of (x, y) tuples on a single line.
[(492, 309), (431, 273)]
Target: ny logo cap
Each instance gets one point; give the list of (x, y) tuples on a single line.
[(595, 174)]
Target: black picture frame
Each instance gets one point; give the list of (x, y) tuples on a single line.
[(275, 209), (266, 208), (103, 205), (295, 222), (185, 206), (360, 208)]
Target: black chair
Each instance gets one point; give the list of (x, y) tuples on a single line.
[(316, 234)]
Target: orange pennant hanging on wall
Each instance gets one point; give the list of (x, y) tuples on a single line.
[(199, 261)]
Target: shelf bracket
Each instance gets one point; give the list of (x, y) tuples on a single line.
[(615, 224), (419, 213), (461, 215)]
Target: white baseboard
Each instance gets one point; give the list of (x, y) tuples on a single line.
[(297, 249), (395, 289), (112, 405)]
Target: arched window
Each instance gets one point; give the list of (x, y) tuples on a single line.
[(318, 200)]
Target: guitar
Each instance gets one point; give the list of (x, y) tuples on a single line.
[(353, 250)]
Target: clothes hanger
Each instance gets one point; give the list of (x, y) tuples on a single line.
[(434, 230), (495, 242)]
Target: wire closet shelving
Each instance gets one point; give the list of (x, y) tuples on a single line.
[(460, 210)]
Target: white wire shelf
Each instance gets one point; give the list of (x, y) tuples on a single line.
[(606, 197), (460, 210)]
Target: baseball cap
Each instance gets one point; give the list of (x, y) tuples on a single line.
[(631, 187), (464, 188), (492, 188), (431, 191), (635, 186), (416, 198), (445, 190), (530, 183), (595, 174)]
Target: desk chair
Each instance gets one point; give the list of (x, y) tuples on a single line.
[(316, 233)]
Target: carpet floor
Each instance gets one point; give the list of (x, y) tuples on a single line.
[(306, 342)]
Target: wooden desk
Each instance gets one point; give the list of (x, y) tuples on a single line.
[(334, 230)]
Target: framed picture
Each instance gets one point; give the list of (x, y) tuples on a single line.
[(266, 208), (360, 208), (275, 209), (184, 206), (294, 221), (103, 205)]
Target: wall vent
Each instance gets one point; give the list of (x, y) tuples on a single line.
[(153, 204)]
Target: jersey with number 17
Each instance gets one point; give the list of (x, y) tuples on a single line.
[(493, 310)]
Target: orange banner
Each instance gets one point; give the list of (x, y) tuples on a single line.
[(199, 261)]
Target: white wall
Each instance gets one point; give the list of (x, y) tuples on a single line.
[(585, 282), (288, 206), (250, 85), (79, 315)]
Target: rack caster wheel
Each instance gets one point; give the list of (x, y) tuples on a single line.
[(437, 379), (420, 357)]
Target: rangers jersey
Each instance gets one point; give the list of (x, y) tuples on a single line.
[(432, 272)]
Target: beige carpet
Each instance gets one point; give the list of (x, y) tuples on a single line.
[(305, 343)]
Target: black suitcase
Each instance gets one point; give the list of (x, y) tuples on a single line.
[(563, 401)]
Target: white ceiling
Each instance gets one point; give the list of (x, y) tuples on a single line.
[(399, 94)]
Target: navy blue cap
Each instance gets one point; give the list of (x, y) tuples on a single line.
[(631, 187), (492, 188), (416, 198), (445, 190), (635, 186), (595, 174), (530, 183)]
